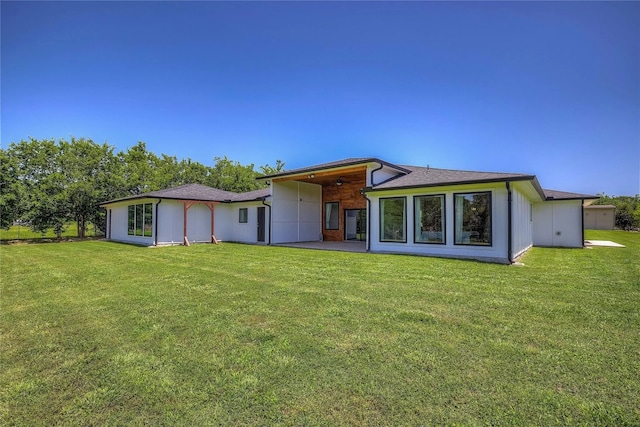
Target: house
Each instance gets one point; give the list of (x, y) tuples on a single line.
[(390, 208), (188, 214), (599, 217)]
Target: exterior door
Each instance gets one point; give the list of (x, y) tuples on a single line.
[(355, 224), (261, 224)]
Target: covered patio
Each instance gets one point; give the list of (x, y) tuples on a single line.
[(343, 246)]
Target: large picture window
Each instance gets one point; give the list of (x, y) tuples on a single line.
[(140, 220), (331, 216), (472, 214), (393, 219), (429, 219)]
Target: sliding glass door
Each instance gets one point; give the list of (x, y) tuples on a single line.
[(355, 224)]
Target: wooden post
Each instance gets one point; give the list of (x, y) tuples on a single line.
[(211, 207), (186, 205)]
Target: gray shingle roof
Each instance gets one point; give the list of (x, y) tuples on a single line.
[(194, 192), (251, 195), (430, 177), (198, 192), (563, 195)]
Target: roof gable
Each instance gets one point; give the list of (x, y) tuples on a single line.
[(335, 165)]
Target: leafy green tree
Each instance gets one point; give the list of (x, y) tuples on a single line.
[(272, 170), (38, 172), (89, 177), (50, 205), (139, 169), (13, 196), (232, 176)]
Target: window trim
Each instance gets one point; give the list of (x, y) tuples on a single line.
[(246, 215), (381, 220), (444, 219), (326, 220), (484, 245), (140, 220)]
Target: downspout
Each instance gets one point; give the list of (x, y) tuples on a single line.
[(368, 219), (582, 219), (269, 206), (369, 205), (509, 225), (156, 230), (372, 171)]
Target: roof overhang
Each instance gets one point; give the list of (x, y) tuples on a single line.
[(328, 173), (531, 178)]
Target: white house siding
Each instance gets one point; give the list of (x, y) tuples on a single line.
[(297, 212), (558, 223), (170, 222), (118, 223), (498, 251), (522, 225), (199, 223), (245, 232)]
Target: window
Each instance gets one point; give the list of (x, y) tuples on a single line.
[(131, 228), (429, 219), (148, 219), (140, 220), (331, 216), (393, 220), (243, 215), (472, 214)]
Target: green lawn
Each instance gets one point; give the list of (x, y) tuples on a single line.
[(99, 333)]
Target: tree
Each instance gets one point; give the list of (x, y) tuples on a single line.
[(139, 169), (90, 175), (40, 188), (232, 176), (271, 170), (13, 196)]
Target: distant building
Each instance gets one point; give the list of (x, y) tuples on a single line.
[(599, 217)]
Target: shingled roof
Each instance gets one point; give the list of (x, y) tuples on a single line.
[(431, 177), (198, 192), (563, 195)]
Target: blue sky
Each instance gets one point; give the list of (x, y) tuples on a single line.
[(548, 88)]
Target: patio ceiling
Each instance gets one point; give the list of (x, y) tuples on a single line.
[(329, 177)]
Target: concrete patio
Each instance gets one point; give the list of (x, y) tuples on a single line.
[(345, 246)]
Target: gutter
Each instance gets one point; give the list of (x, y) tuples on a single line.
[(269, 206), (509, 224), (155, 243), (372, 171), (446, 184)]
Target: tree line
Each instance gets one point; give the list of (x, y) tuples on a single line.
[(49, 183)]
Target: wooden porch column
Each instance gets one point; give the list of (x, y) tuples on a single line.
[(211, 205), (186, 205)]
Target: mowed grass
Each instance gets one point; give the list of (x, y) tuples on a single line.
[(99, 333)]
